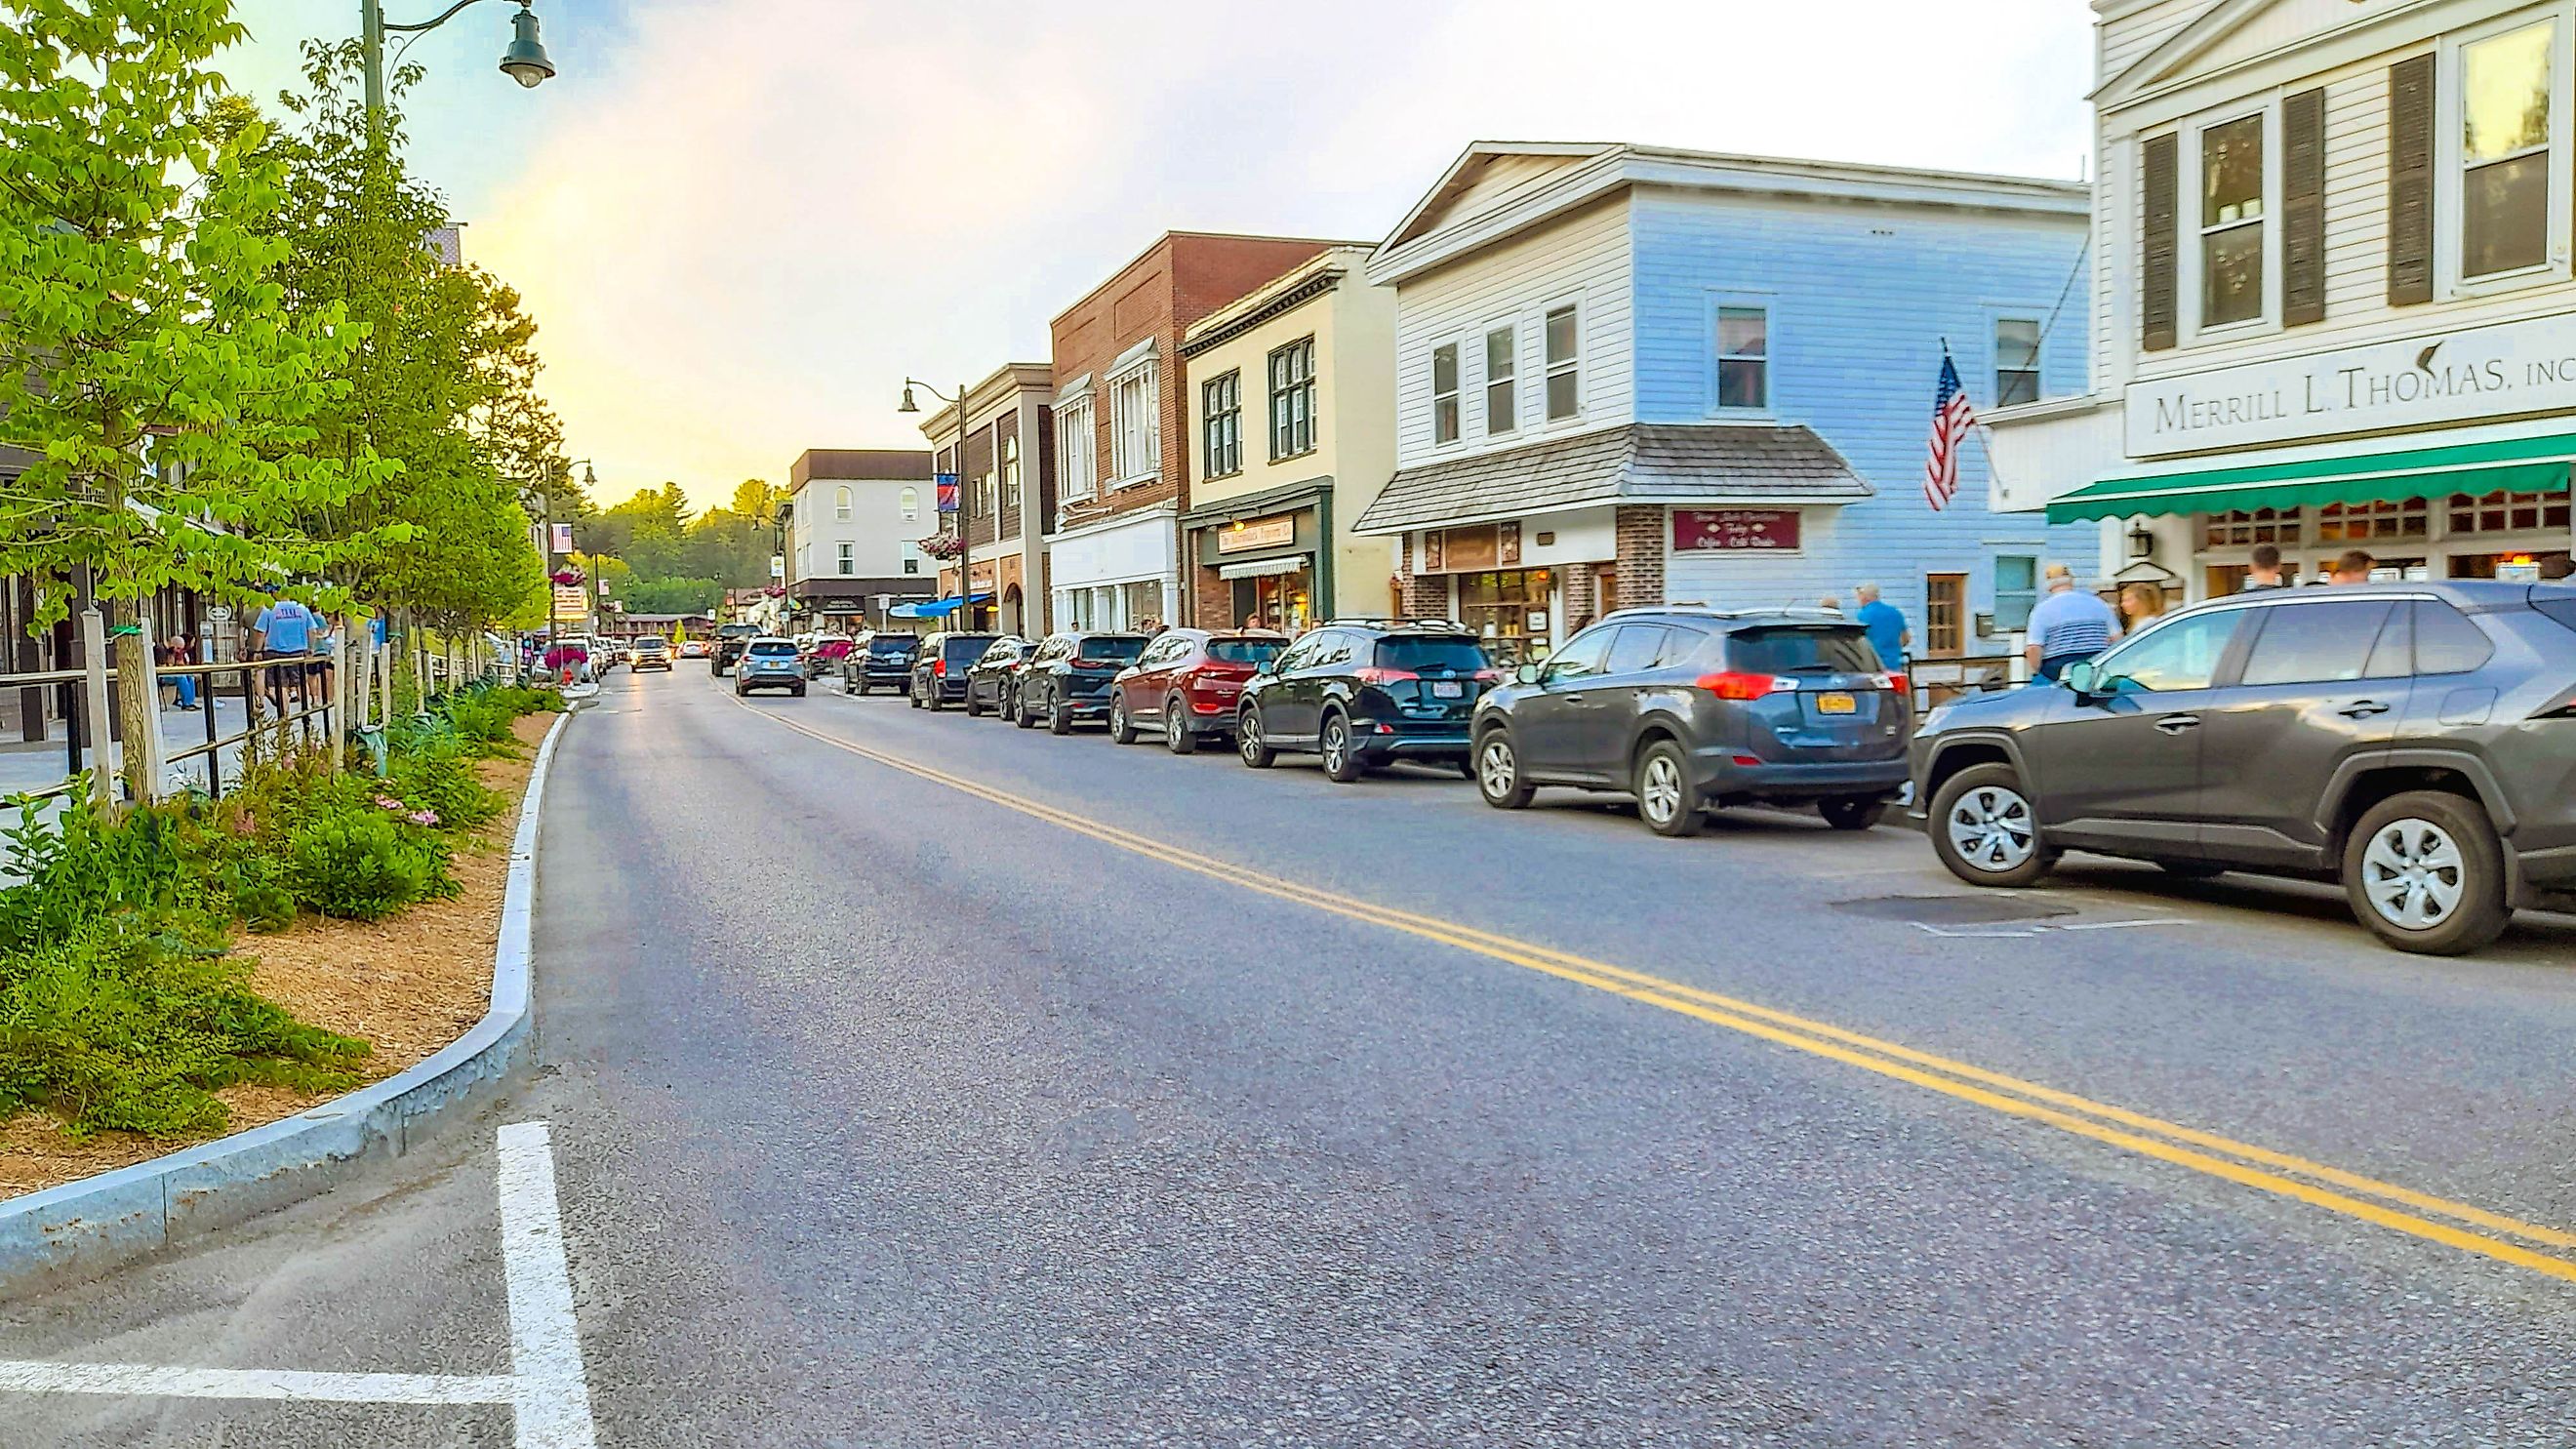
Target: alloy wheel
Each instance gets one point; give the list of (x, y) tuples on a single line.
[(1990, 828), (1495, 768), (2413, 873), (1337, 744), (1660, 790)]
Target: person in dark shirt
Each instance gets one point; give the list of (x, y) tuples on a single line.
[(2266, 573)]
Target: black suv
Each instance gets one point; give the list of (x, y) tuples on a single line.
[(1691, 708), (1364, 693), (993, 681), (879, 661), (939, 667), (1067, 681), (731, 639), (2415, 741)]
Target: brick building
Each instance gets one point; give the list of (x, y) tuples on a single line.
[(1007, 486), (1121, 422)]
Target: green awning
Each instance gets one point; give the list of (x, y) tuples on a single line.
[(2515, 465)]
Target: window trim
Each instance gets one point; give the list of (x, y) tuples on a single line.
[(1010, 460), (1144, 377), (2450, 96), (845, 559), (1210, 414), (1719, 304), (909, 500), (841, 504), (2038, 369), (1511, 381), (1549, 368), (2190, 234), (1456, 348), (1077, 443), (1289, 352)]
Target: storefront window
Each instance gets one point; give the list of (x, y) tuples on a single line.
[(2362, 522), (1275, 601), (1508, 610), (1143, 601), (2509, 512), (2263, 525)]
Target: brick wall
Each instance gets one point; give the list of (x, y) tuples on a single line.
[(1641, 557), (1211, 599)]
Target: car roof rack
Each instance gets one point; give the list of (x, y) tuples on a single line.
[(1390, 621)]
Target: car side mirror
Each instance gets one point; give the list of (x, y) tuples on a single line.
[(1526, 673), (2088, 681)]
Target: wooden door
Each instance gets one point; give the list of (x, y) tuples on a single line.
[(1945, 615)]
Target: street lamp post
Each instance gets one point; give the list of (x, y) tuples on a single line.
[(546, 521), (965, 517), (525, 61)]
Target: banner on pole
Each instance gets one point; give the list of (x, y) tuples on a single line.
[(947, 492), (563, 538)]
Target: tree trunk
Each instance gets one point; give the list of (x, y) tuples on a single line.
[(138, 702)]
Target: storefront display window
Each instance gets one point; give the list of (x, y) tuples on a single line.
[(2362, 522), (2509, 512), (1275, 601), (1508, 610), (2263, 525)]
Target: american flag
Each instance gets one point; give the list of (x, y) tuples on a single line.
[(1951, 419)]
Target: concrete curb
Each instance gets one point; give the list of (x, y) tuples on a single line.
[(82, 1228)]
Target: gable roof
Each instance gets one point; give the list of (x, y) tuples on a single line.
[(2201, 45), (1455, 218)]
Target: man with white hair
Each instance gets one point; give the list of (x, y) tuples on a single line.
[(2071, 624), (1885, 625)]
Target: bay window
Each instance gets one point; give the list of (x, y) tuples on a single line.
[(1135, 425), (1077, 463)]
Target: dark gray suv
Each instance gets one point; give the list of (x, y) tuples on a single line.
[(2416, 741), (1693, 708)]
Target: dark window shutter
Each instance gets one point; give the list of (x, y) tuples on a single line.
[(2410, 181), (2158, 207), (2303, 208)]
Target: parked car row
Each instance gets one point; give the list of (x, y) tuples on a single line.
[(2415, 742)]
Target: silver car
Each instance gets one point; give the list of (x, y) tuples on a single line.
[(769, 663)]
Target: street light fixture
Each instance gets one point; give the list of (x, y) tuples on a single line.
[(525, 61), (965, 523)]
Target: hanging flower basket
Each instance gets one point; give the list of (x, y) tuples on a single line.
[(569, 578), (775, 591), (943, 546)]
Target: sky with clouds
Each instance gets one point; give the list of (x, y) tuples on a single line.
[(740, 225)]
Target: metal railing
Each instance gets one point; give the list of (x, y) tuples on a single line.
[(302, 712)]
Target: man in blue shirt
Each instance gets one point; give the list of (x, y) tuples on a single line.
[(283, 630), (1885, 624), (2069, 625)]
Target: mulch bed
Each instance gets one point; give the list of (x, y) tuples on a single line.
[(409, 985)]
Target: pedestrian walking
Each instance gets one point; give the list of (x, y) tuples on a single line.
[(1885, 625), (283, 630), (2140, 605), (2071, 624), (1830, 604), (2266, 572), (2353, 568)]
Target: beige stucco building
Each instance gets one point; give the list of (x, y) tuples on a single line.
[(1291, 394)]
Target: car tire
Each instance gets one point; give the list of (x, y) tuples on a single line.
[(2425, 872), (798, 691), (1496, 768), (1852, 812), (930, 698), (1059, 719), (1341, 756), (1178, 737), (912, 697), (1121, 729), (1020, 715), (1986, 830), (1249, 745), (1665, 799), (973, 710)]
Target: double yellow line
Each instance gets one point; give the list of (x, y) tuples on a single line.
[(2418, 1214)]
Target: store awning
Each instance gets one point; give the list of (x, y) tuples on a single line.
[(2513, 465), (1262, 567), (934, 609)]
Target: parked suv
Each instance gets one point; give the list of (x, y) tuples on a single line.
[(1691, 709), (1364, 693), (939, 668), (768, 664), (1186, 684), (879, 661), (729, 644), (2416, 741), (993, 682), (1067, 680)]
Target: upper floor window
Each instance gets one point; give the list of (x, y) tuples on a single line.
[(1076, 462), (841, 505), (846, 559), (1502, 412), (1444, 393), (1221, 425), (2232, 228), (1564, 365), (1292, 399), (1135, 426), (1010, 470), (2016, 360), (2505, 175), (910, 501), (1743, 357)]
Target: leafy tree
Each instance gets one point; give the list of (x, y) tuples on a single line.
[(141, 299)]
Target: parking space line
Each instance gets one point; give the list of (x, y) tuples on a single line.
[(27, 1376), (2418, 1214)]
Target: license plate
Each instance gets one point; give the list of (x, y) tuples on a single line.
[(1447, 689), (1837, 702)]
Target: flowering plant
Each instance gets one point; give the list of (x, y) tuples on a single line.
[(566, 577), (392, 806), (943, 545)]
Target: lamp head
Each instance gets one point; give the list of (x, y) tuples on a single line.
[(908, 405), (525, 61), (589, 476)]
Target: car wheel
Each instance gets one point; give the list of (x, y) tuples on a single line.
[(1986, 830), (2425, 873), (1020, 715), (798, 691), (1341, 761), (1121, 729), (1059, 721), (930, 698), (1249, 744), (1178, 737), (973, 710), (1852, 812), (1665, 800), (1497, 768), (912, 697)]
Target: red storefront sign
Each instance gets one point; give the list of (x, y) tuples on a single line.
[(1735, 530)]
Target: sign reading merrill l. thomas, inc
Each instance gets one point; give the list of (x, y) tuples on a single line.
[(1735, 530), (2455, 377)]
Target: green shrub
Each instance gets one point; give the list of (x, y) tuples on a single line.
[(439, 778), (361, 865), (87, 864)]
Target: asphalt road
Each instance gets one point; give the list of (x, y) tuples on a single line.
[(970, 1086)]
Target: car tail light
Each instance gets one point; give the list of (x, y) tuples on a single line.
[(1487, 676), (1738, 685), (2565, 708), (1894, 683), (1373, 674), (938, 668)]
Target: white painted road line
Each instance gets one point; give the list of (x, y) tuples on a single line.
[(28, 1376), (553, 1393)]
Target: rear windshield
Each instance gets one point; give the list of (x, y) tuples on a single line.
[(1802, 649), (1456, 655), (966, 646), (1111, 648), (1244, 651), (894, 644), (772, 646)]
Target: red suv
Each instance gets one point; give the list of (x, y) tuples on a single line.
[(1185, 684)]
